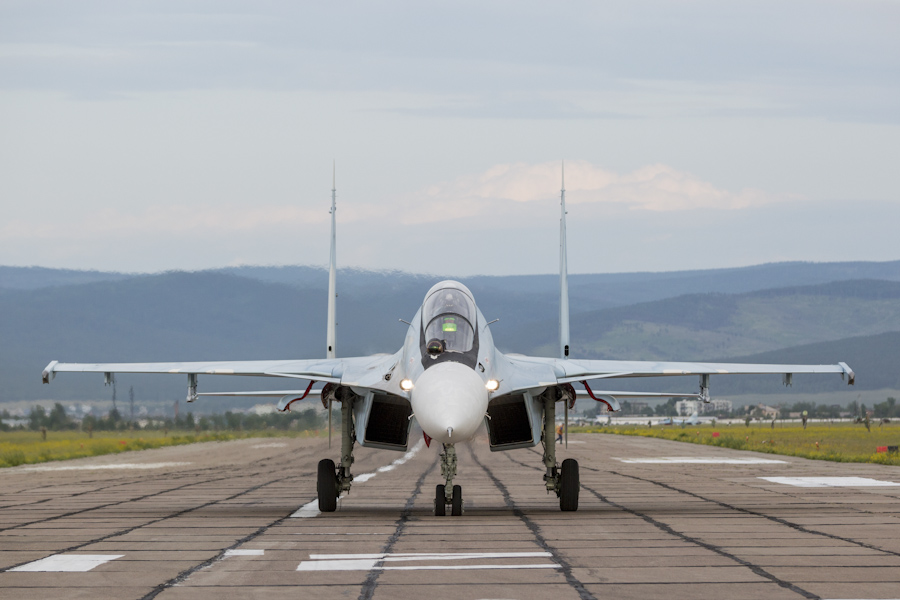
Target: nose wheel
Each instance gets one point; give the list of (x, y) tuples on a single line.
[(456, 501), (441, 498), (441, 501)]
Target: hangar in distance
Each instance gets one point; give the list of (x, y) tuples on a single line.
[(450, 378)]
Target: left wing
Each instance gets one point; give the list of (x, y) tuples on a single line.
[(569, 370)]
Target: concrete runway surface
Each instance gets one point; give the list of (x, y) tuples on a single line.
[(238, 520)]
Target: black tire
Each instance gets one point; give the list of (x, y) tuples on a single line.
[(440, 507), (569, 485), (326, 486), (456, 504)]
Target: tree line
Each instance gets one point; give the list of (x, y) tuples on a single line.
[(56, 419)]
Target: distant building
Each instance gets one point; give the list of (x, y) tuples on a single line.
[(717, 406), (767, 411), (686, 408)]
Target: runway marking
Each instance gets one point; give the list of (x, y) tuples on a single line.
[(244, 552), (68, 563), (402, 459), (704, 460), (826, 482), (341, 533), (161, 465), (375, 562), (311, 509), (269, 446)]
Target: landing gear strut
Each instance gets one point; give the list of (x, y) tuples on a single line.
[(563, 481), (448, 494), (332, 482)]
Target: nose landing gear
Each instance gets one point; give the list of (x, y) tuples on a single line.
[(441, 496)]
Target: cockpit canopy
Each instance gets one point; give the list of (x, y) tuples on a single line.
[(448, 318)]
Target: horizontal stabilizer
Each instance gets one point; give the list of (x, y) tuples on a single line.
[(263, 394), (585, 394)]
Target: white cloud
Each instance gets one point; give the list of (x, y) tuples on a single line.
[(509, 194), (654, 187)]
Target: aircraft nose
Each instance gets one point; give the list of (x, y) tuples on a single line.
[(449, 400)]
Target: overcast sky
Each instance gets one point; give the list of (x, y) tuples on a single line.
[(147, 136)]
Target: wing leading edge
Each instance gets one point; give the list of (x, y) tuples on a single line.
[(569, 370), (360, 371), (328, 370)]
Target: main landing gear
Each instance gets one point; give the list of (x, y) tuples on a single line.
[(333, 481), (562, 480), (441, 496)]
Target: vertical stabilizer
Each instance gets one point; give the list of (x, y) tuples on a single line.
[(563, 274), (332, 273)]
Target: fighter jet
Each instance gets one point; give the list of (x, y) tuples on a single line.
[(450, 379), (694, 419)]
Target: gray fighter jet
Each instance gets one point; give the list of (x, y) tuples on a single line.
[(450, 378)]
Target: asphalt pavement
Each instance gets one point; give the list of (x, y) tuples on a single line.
[(656, 518)]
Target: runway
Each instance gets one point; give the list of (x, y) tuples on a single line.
[(656, 519)]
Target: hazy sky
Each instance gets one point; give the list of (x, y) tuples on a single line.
[(145, 136)]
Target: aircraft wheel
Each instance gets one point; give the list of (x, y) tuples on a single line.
[(326, 486), (456, 505), (569, 485), (440, 506)]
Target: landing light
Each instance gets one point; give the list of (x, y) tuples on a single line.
[(492, 385), (406, 385)]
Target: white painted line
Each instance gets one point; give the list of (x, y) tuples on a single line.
[(68, 563), (403, 459), (339, 533), (244, 552), (311, 509), (369, 562), (269, 446), (161, 465), (364, 565), (703, 460), (431, 556), (826, 482)]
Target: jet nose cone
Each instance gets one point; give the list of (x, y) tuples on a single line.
[(449, 401)]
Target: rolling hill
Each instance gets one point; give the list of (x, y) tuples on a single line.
[(226, 315)]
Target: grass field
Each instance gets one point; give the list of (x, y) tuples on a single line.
[(27, 447), (841, 442)]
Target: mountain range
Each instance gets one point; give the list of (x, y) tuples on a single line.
[(782, 312)]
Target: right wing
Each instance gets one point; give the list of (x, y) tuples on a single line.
[(570, 370)]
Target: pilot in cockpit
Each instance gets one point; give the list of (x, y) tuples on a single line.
[(449, 328)]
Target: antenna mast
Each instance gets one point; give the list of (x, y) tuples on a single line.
[(332, 271), (563, 273)]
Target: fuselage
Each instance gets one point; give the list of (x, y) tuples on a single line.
[(449, 360)]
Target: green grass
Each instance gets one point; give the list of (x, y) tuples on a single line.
[(27, 447), (840, 442)]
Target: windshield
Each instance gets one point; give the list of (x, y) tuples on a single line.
[(449, 314)]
